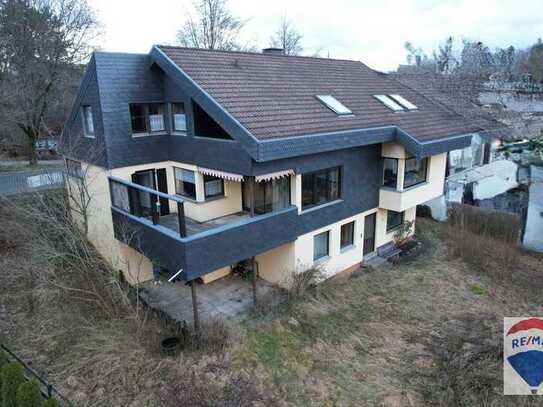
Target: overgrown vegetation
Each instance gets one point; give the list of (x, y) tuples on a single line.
[(425, 332)]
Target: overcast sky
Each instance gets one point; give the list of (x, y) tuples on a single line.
[(371, 31)]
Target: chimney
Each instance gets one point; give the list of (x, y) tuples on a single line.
[(273, 51)]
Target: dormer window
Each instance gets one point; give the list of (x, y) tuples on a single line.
[(179, 118), (147, 118), (396, 103), (334, 105)]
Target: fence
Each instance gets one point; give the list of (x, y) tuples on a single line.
[(31, 181), (48, 390)]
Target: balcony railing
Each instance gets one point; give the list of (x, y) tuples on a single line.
[(144, 202), (177, 242)]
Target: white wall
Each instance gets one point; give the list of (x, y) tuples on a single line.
[(400, 200)]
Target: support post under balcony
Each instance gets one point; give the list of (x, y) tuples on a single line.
[(252, 196), (181, 219)]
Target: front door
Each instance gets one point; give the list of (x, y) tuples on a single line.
[(369, 234)]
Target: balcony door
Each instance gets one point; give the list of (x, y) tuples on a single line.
[(369, 234), (154, 179)]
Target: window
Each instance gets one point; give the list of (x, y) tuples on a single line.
[(119, 196), (185, 183), (213, 186), (320, 187), (394, 220), (415, 172), (390, 177), (321, 245), (179, 118), (388, 102), (269, 196), (404, 102), (147, 118), (156, 117), (334, 105), (347, 235), (73, 168), (88, 124)]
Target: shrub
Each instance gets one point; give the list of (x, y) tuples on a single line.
[(29, 395), (3, 360), (403, 232), (12, 377), (50, 403), (299, 282)]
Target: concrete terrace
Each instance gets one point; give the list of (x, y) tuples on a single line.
[(228, 298)]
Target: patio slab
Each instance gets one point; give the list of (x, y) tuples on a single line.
[(228, 298)]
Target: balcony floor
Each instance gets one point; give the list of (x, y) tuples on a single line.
[(170, 221), (227, 298)]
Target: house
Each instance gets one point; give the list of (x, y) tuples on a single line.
[(209, 158)]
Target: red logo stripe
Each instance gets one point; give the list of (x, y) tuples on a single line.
[(526, 324)]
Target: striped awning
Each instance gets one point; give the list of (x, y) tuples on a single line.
[(221, 174), (274, 175)]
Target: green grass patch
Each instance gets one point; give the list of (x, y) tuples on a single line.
[(477, 289)]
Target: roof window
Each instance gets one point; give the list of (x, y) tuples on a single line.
[(404, 102), (396, 102), (335, 105), (388, 102)]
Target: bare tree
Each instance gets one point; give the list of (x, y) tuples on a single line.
[(287, 38), (41, 41), (212, 26), (444, 57)]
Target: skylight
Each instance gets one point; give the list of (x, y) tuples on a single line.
[(404, 102), (333, 104), (388, 102)]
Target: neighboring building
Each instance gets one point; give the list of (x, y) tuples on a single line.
[(209, 158), (471, 164)]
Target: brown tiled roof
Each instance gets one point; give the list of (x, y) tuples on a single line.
[(438, 88), (273, 96)]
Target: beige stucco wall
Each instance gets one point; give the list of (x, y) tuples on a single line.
[(135, 267), (381, 235), (274, 265), (398, 200), (199, 210), (394, 150)]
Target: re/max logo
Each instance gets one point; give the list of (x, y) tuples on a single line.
[(526, 340)]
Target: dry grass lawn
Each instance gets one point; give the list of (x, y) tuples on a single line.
[(425, 332)]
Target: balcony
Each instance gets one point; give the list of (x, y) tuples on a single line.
[(177, 242)]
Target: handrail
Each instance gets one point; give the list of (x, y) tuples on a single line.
[(50, 388), (175, 198)]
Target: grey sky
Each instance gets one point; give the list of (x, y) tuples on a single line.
[(371, 31)]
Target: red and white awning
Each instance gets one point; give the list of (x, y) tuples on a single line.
[(221, 174), (274, 175)]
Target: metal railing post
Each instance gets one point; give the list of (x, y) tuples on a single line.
[(181, 219)]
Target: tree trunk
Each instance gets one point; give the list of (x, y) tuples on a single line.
[(32, 152)]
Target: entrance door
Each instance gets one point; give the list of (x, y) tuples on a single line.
[(369, 234)]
